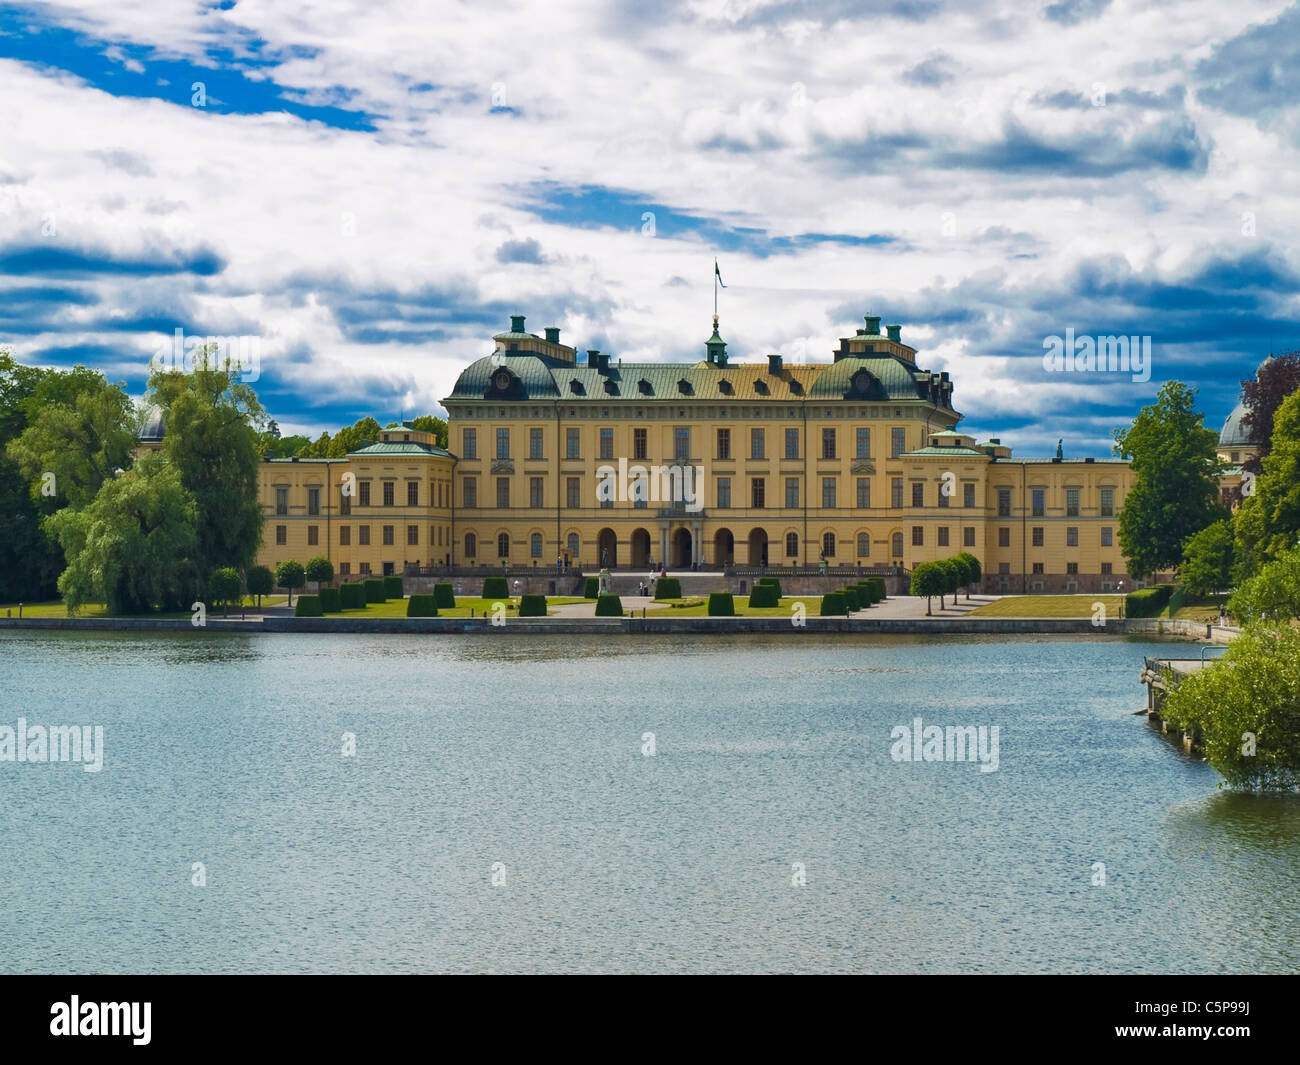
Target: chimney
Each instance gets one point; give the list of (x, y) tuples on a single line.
[(516, 323), (873, 325), (894, 331), (552, 334), (597, 361), (774, 364)]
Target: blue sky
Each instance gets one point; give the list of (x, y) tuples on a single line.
[(371, 193)]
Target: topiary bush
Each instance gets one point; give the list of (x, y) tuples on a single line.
[(721, 605), (765, 595), (533, 606), (375, 590), (393, 587), (879, 583), (609, 606), (443, 596), (1147, 602), (308, 606), (590, 587), (773, 582), (422, 605), (833, 605), (330, 600), (851, 599), (668, 588), (352, 596), (496, 588)]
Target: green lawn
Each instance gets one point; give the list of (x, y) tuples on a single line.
[(812, 603), (1048, 606), (466, 606), (55, 609)]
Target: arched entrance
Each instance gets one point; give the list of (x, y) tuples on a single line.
[(757, 547), (724, 548), (681, 549), (607, 549), (640, 549)]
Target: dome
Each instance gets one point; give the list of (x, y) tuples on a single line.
[(153, 425), (1234, 432)]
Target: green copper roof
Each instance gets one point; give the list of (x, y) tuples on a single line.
[(943, 451), (406, 447)]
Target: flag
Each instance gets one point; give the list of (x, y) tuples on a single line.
[(717, 273)]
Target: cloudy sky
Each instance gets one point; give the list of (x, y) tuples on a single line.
[(372, 186)]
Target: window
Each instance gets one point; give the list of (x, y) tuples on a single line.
[(1108, 502), (345, 535), (864, 443), (534, 443), (792, 493), (791, 545), (1037, 534), (897, 442), (918, 494), (282, 501), (896, 493), (503, 493), (864, 545), (1004, 536), (681, 442), (757, 444), (1105, 568), (1004, 568), (503, 443), (1038, 568), (571, 438), (1004, 502), (313, 535), (828, 545), (1072, 536), (345, 502), (471, 545), (363, 535), (365, 569), (724, 492), (864, 493), (412, 535), (281, 535), (1072, 567), (828, 443), (724, 443), (535, 545), (469, 493), (573, 492), (388, 493), (828, 493), (968, 495), (313, 501), (535, 492), (1039, 503), (792, 443), (918, 536), (606, 443), (896, 545), (503, 545), (1106, 536), (1071, 502), (756, 495), (412, 493), (942, 497), (388, 536), (469, 441), (943, 536), (968, 536), (573, 544), (345, 569), (364, 498), (638, 444)]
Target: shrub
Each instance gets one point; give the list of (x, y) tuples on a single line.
[(721, 605), (668, 588), (773, 582), (393, 587), (443, 595), (533, 606), (330, 600), (422, 605), (609, 606), (590, 587), (851, 599), (308, 607), (867, 593), (765, 595), (879, 584), (226, 586), (496, 588), (375, 590), (319, 569), (352, 596), (833, 605), (290, 575), (1147, 602), (261, 581)]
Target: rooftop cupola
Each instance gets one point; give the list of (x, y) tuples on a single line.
[(715, 347)]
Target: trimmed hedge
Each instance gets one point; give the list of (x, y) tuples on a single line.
[(833, 605), (668, 588), (352, 596), (773, 582), (393, 587), (765, 595), (533, 606), (496, 588), (721, 605), (443, 595), (609, 606), (375, 590), (330, 600), (852, 601), (879, 584), (308, 606), (590, 587), (1148, 602), (422, 605)]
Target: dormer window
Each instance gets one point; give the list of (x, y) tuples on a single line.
[(501, 380)]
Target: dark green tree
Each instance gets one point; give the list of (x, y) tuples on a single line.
[(1208, 560), (261, 581), (226, 586), (290, 574), (319, 569), (1271, 524)]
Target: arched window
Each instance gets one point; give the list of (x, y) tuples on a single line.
[(792, 545), (864, 545), (897, 545), (503, 545), (535, 545), (828, 545), (573, 544), (471, 545)]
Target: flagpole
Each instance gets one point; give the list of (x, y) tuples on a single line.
[(715, 290)]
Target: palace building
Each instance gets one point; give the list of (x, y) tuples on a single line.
[(857, 461)]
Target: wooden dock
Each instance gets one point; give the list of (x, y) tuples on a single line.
[(1160, 675)]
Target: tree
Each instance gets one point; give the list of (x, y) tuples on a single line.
[(349, 438), (430, 423), (974, 571), (1277, 377), (1273, 524), (1175, 493), (1273, 594), (1208, 560), (927, 580), (132, 545), (226, 586), (319, 570), (261, 581), (290, 574), (954, 572)]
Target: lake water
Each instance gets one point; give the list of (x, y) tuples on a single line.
[(772, 758)]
